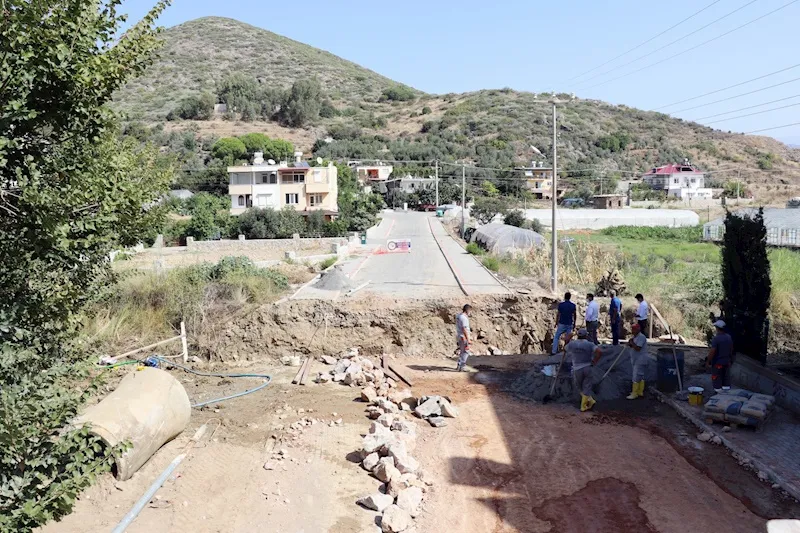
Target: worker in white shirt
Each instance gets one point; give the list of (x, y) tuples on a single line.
[(592, 318), (642, 314)]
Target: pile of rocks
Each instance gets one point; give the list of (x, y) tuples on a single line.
[(386, 454), (436, 410)]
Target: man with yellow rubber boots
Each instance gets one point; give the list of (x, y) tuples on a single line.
[(583, 353)]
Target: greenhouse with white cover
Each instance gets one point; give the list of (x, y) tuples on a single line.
[(502, 238)]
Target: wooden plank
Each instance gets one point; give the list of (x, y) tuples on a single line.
[(401, 376), (300, 371), (304, 376)]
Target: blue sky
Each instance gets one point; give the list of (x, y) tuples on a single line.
[(442, 46)]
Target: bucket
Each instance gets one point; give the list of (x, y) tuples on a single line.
[(148, 409), (696, 396), (667, 377)]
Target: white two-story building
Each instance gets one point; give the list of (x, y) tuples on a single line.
[(680, 181)]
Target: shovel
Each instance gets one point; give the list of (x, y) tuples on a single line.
[(549, 396), (596, 385)]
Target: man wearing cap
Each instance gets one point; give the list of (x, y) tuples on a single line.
[(638, 346), (583, 354), (720, 357)]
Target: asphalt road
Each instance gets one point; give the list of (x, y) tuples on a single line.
[(423, 272)]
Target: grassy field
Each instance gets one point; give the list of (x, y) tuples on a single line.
[(672, 268)]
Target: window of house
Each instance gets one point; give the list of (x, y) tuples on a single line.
[(240, 201), (693, 180), (315, 199), (292, 198), (317, 176), (270, 178), (296, 177), (675, 180)]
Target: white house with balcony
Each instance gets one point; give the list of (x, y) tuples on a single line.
[(679, 181), (255, 185)]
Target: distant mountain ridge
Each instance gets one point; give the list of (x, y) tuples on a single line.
[(492, 128)]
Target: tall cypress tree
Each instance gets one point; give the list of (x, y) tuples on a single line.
[(746, 281)]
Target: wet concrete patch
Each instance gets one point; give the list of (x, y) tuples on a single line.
[(605, 505)]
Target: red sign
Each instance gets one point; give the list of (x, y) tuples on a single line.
[(399, 245)]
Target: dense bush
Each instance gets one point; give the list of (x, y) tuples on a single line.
[(515, 218), (485, 209), (398, 93), (194, 108), (475, 249), (229, 149), (302, 103), (275, 149)]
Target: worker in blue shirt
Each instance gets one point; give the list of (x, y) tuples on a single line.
[(615, 317), (565, 320)]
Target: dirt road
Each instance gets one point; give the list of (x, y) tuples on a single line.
[(505, 465)]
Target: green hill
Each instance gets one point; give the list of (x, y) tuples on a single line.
[(491, 128), (198, 53)]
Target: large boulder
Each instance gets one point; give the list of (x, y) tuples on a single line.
[(395, 520), (377, 502), (410, 500)]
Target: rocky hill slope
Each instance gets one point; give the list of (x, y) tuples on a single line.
[(492, 128)]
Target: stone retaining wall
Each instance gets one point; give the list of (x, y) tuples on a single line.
[(277, 245)]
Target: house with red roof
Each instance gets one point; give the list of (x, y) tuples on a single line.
[(679, 181)]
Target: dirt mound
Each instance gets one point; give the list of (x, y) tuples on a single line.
[(333, 280), (378, 325)]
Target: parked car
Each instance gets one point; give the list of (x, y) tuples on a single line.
[(572, 202), (426, 207)]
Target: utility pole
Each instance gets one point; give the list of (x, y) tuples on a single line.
[(437, 184), (554, 196), (463, 200)]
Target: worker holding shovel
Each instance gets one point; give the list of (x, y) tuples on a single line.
[(584, 354)]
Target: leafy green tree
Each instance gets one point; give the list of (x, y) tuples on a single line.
[(290, 222), (302, 104), (515, 218), (229, 149), (71, 191), (257, 223), (237, 90), (278, 150), (485, 208), (315, 223), (205, 210), (489, 189), (194, 108), (746, 282), (254, 142)]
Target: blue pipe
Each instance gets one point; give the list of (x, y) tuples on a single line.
[(216, 375)]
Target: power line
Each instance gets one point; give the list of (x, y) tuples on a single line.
[(773, 128), (728, 87), (736, 96), (751, 114), (679, 39), (748, 107), (645, 42), (696, 46)]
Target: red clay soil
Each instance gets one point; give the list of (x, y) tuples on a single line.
[(507, 465)]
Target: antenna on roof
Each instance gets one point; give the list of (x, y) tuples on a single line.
[(319, 160)]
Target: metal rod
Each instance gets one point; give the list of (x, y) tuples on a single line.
[(437, 184), (159, 343), (554, 194), (463, 200)]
